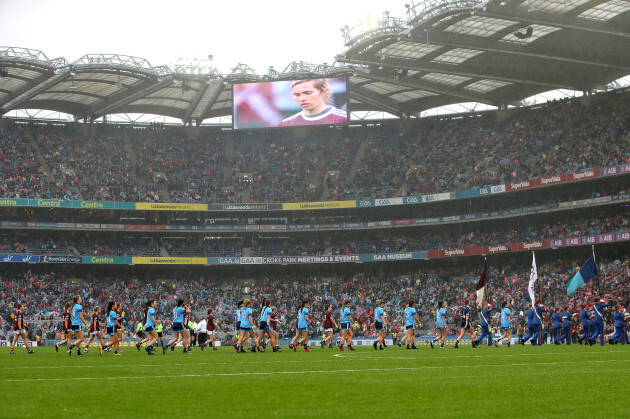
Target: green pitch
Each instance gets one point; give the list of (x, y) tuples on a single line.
[(547, 381)]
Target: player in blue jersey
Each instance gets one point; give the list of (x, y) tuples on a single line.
[(150, 323), (178, 326), (380, 325), (346, 326), (440, 324), (466, 325), (304, 322), (110, 328), (78, 321), (506, 325), (246, 323), (411, 318), (265, 325)]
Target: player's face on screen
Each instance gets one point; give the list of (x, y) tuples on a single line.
[(308, 97)]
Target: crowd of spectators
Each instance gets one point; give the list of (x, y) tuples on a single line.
[(436, 237), (192, 168), (335, 242), (22, 174), (280, 169), (116, 247), (45, 293), (437, 155)]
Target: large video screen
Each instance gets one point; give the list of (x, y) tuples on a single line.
[(290, 103)]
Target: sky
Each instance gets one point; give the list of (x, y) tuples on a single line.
[(257, 33)]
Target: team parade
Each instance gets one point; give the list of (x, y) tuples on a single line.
[(259, 332)]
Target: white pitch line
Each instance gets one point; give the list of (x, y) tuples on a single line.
[(309, 361), (363, 356), (193, 364), (152, 377)]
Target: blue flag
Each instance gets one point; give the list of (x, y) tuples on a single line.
[(585, 274)]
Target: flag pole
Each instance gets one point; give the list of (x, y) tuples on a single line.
[(487, 294), (538, 280)]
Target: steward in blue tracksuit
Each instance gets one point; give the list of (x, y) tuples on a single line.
[(566, 326), (620, 327), (598, 321), (557, 325), (585, 318), (538, 316), (530, 326), (485, 324)]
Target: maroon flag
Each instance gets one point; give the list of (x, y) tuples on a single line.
[(481, 285)]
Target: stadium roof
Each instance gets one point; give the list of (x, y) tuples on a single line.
[(496, 52)]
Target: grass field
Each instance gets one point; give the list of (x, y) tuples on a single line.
[(546, 381)]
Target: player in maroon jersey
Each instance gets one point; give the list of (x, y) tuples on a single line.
[(66, 327), (329, 326), (118, 327), (211, 327), (185, 334), (142, 337), (20, 329), (273, 330), (95, 331), (313, 96), (297, 334)]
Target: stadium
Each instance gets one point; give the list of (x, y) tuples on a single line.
[(457, 176)]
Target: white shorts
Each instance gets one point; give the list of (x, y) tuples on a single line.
[(328, 330), (19, 332), (95, 333), (210, 333)]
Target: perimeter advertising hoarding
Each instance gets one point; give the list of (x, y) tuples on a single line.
[(287, 103)]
